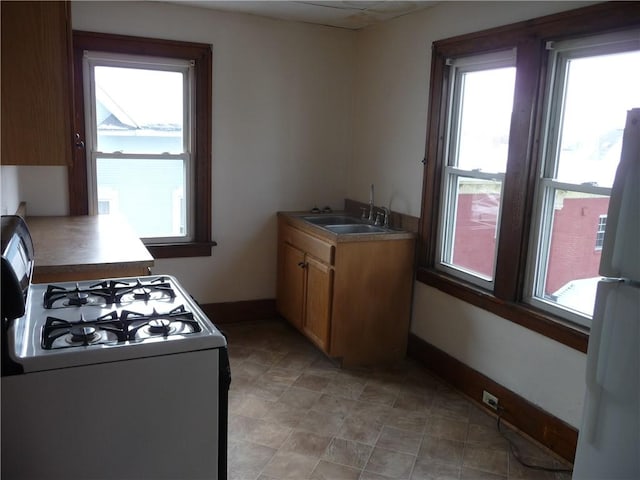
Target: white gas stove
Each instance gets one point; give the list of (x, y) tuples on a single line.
[(110, 379), (73, 324)]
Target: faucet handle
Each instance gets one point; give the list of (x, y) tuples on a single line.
[(387, 214), (379, 218)]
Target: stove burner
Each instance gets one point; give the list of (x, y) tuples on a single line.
[(155, 290), (77, 297), (56, 296), (83, 335), (159, 325), (58, 333), (176, 321), (141, 293)]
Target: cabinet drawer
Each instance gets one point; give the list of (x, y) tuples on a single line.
[(312, 245)]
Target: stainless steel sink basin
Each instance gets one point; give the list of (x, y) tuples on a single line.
[(332, 220), (356, 228)]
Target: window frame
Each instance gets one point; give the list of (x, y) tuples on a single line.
[(600, 229), (529, 38), (201, 54), (453, 173), (549, 184)]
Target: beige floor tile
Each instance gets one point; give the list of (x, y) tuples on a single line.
[(300, 397), (413, 402), (250, 406), (296, 360), (471, 474), (332, 471), (370, 411), (486, 460), (284, 414), (486, 436), (375, 393), (348, 452), (247, 460), (443, 427), (372, 476), (265, 357), (322, 423), (399, 440), (390, 464), (432, 470), (290, 465), (306, 443), (332, 404), (441, 450), (342, 386), (247, 370), (407, 420), (280, 376), (312, 382), (363, 431)]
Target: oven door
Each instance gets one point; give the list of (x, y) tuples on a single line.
[(155, 417)]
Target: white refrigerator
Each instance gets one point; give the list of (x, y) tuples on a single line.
[(609, 438)]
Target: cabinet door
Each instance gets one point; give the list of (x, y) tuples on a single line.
[(36, 83), (317, 315), (291, 284)]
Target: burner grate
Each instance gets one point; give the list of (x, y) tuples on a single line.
[(108, 292), (117, 328), (82, 332), (158, 324)]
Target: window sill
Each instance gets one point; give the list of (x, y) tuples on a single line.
[(522, 314), (181, 250)]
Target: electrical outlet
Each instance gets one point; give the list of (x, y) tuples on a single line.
[(490, 400)]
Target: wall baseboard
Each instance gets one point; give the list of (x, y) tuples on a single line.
[(550, 431), (244, 311)]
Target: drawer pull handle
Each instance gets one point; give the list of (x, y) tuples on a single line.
[(302, 265)]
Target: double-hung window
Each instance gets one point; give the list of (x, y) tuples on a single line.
[(143, 118), (480, 107), (524, 138), (139, 142), (592, 83)]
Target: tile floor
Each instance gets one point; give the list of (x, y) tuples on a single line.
[(294, 414)]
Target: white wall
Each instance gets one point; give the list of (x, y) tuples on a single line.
[(390, 120), (282, 117), (10, 189)]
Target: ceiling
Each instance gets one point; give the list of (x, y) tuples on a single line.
[(352, 15)]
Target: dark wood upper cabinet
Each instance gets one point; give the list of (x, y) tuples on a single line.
[(36, 83)]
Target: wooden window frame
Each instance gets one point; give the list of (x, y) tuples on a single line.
[(530, 38), (202, 55)]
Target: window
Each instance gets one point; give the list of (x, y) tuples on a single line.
[(478, 137), (138, 128), (144, 122), (535, 168), (602, 225), (585, 121)]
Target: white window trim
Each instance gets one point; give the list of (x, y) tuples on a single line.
[(92, 59)]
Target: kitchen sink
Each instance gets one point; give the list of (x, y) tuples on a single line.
[(338, 220), (355, 228)]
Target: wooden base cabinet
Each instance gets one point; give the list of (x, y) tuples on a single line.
[(351, 298), (316, 322), (305, 284)]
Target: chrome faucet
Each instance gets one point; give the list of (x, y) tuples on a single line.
[(371, 219), (382, 217)]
